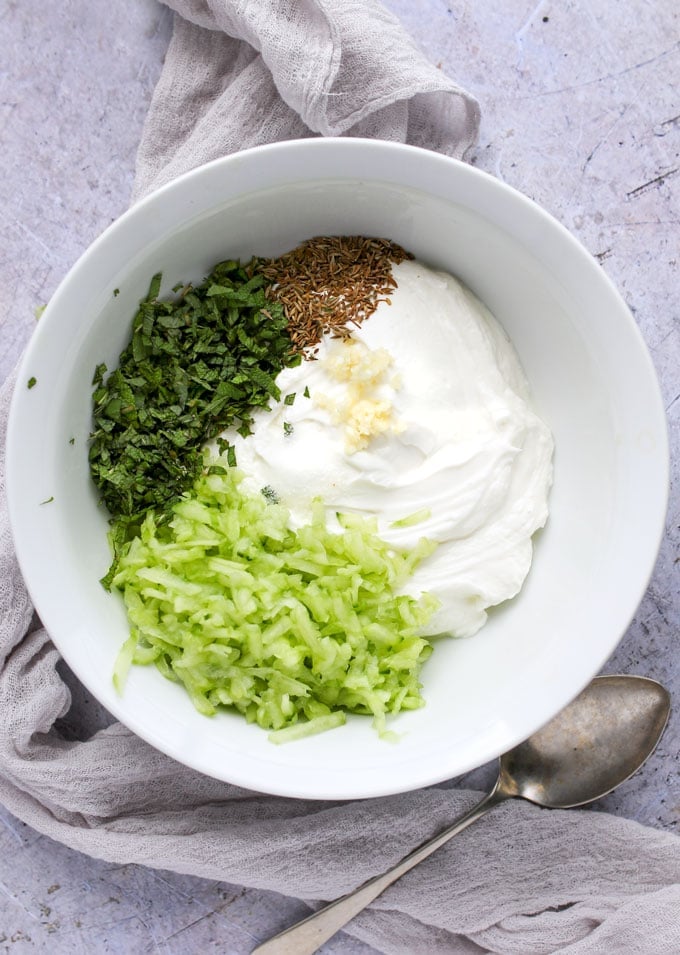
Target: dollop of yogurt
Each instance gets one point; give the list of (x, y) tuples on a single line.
[(424, 411)]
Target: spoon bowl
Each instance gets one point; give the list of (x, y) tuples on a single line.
[(593, 745)]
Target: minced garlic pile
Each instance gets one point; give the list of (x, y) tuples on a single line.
[(366, 410)]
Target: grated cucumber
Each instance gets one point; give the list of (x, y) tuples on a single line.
[(288, 627)]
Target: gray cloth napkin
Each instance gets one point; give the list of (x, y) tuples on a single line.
[(525, 880), (241, 73)]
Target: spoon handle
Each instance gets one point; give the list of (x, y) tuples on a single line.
[(306, 936)]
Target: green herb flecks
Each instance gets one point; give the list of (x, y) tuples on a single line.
[(31, 382), (195, 365), (269, 494)]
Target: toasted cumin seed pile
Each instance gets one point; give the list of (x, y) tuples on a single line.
[(329, 283)]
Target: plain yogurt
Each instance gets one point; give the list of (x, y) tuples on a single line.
[(424, 411)]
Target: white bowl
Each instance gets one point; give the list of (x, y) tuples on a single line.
[(592, 379)]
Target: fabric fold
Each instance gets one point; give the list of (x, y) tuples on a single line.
[(242, 74)]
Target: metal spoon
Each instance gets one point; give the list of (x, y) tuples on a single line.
[(589, 748)]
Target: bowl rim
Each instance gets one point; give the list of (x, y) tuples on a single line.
[(391, 152)]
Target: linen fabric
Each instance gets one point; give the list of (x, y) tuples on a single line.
[(524, 880), (243, 73)]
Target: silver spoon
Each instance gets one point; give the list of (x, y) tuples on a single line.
[(589, 748)]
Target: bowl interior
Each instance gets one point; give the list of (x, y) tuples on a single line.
[(592, 381)]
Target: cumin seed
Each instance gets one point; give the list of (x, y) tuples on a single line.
[(329, 283)]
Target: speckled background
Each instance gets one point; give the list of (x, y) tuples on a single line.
[(581, 111)]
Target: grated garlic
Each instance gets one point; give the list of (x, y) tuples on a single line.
[(365, 411)]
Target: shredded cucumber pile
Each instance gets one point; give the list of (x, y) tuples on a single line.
[(291, 628)]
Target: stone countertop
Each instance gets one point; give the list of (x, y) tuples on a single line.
[(580, 111)]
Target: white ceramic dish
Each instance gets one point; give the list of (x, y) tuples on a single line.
[(592, 379)]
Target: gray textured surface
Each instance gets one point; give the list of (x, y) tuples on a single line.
[(580, 111)]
